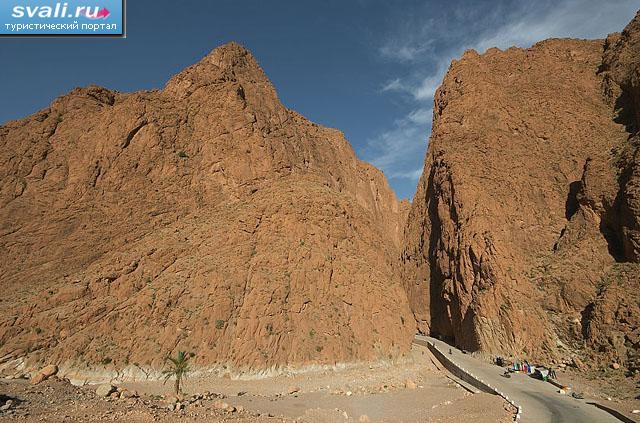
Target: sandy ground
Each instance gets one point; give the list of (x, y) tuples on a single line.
[(414, 391)]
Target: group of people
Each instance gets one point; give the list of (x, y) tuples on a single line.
[(525, 367)]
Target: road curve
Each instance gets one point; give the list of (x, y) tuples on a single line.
[(540, 401)]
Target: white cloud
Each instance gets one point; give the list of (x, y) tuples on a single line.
[(428, 86), (408, 45), (401, 53), (421, 90), (412, 175), (394, 85), (420, 116), (394, 151)]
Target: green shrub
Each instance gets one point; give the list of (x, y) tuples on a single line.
[(178, 369)]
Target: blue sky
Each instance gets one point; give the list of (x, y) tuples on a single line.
[(366, 67)]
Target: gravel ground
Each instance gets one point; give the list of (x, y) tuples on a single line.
[(414, 391)]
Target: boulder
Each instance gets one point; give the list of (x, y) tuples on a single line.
[(49, 370), (44, 374), (105, 390), (38, 378)]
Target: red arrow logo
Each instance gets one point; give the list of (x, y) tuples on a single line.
[(102, 14)]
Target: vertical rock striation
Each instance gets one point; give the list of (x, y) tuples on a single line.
[(204, 217), (523, 235)]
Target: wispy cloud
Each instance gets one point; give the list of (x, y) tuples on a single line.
[(395, 85), (588, 19), (423, 49), (394, 151), (402, 53), (420, 90), (408, 46)]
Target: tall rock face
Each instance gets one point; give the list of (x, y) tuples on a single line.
[(203, 217), (621, 72), (523, 235), (611, 324)]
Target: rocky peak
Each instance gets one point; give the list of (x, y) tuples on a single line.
[(232, 56), (230, 65)]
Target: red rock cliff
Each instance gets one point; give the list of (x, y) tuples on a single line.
[(203, 217), (521, 218)]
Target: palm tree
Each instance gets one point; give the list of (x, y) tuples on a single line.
[(179, 368)]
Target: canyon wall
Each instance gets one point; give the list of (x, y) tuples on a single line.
[(203, 217), (526, 209)]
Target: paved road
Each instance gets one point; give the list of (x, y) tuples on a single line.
[(540, 401)]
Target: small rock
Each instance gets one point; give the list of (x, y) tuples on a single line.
[(7, 405), (635, 412), (615, 366), (129, 394), (293, 390), (114, 395), (240, 409), (105, 390), (410, 384), (578, 364), (171, 399), (220, 405), (364, 419)]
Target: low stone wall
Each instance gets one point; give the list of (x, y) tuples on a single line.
[(466, 376), (615, 413)]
